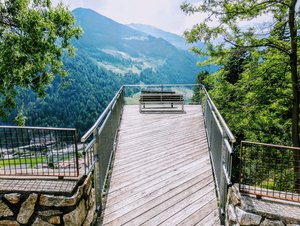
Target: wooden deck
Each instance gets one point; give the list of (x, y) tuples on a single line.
[(161, 173)]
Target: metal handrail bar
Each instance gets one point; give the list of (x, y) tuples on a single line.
[(90, 144), (102, 116), (164, 85), (222, 121), (272, 145), (33, 127)]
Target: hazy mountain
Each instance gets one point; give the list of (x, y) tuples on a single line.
[(176, 40), (128, 52)]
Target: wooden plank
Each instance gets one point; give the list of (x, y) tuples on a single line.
[(157, 156), (159, 188), (180, 210), (119, 187), (148, 164), (156, 181), (161, 172), (151, 209), (210, 219), (200, 214)]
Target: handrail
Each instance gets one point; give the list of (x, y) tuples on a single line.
[(222, 121), (220, 140), (271, 145), (37, 128), (102, 116), (156, 85)]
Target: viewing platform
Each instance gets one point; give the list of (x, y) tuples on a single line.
[(157, 155), (161, 172)]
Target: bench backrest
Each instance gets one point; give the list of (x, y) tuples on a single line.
[(161, 97), (157, 92)]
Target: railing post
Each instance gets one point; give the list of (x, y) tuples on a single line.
[(97, 180), (223, 182)]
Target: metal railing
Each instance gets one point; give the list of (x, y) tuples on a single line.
[(270, 170), (100, 138), (38, 151), (100, 142), (220, 141)]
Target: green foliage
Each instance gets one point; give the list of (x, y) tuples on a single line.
[(253, 87), (33, 37), (30, 162)]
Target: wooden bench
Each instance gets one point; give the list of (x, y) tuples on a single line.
[(152, 101)]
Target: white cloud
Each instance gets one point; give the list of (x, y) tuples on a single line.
[(163, 14)]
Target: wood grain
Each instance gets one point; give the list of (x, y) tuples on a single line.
[(162, 172)]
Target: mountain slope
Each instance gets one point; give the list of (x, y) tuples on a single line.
[(127, 51), (176, 40)]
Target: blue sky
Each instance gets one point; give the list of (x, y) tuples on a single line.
[(163, 14)]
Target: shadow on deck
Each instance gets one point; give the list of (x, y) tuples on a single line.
[(161, 171)]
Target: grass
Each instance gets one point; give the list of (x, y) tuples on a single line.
[(32, 162)]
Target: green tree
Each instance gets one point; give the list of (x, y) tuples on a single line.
[(33, 37), (272, 49)]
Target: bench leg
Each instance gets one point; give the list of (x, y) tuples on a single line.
[(172, 105)]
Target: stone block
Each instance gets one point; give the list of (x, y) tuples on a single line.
[(49, 213), (5, 210), (27, 209), (39, 222), (54, 220), (245, 218), (61, 201), (268, 222), (13, 198), (77, 216), (90, 215), (9, 223), (92, 198), (231, 214)]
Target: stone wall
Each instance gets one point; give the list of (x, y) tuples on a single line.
[(244, 209), (41, 209)]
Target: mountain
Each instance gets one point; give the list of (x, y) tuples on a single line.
[(128, 52), (176, 40), (108, 55)]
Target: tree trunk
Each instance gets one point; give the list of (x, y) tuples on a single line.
[(296, 94)]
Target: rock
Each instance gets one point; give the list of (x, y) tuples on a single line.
[(88, 184), (5, 210), (13, 198), (40, 222), (268, 222), (76, 217), (231, 214), (54, 220), (235, 199), (245, 218), (61, 201), (27, 209), (293, 225), (49, 213), (90, 216), (9, 223), (91, 199)]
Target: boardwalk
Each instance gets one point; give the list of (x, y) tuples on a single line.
[(161, 173)]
